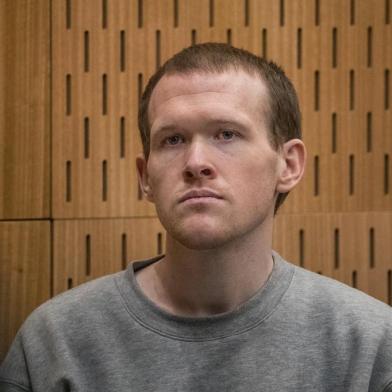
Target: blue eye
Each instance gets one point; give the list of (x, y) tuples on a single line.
[(173, 140), (226, 134)]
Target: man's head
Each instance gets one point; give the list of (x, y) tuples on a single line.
[(282, 114), (212, 166)]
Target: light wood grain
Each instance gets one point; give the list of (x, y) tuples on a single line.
[(24, 274), (24, 109), (337, 244), (87, 249), (160, 35)]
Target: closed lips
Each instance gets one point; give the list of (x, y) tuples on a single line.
[(199, 194)]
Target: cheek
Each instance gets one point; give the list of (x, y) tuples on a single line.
[(257, 179), (161, 181), (153, 177)]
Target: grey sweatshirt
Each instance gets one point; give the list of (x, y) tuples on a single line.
[(300, 332)]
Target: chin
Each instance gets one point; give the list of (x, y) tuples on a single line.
[(209, 233), (201, 239), (201, 243)]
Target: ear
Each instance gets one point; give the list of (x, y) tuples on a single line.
[(142, 174), (293, 159)]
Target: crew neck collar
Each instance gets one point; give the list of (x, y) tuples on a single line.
[(245, 317)]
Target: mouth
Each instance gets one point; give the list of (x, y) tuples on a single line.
[(199, 195)]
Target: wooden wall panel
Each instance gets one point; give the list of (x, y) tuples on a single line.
[(354, 248), (334, 52), (24, 274), (24, 109), (87, 249), (95, 139)]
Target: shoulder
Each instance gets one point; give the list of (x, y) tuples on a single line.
[(80, 304), (341, 305), (334, 292), (92, 305), (71, 323), (352, 327)]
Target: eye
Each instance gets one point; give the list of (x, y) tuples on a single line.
[(173, 140), (226, 134)]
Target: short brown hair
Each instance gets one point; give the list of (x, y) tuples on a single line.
[(284, 119)]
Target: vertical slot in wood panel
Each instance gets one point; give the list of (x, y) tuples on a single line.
[(211, 15), (104, 14), (281, 12), (334, 47), (104, 181), (228, 36), (264, 43), (371, 248), (299, 48), (86, 137), (352, 90), (86, 51), (316, 91), (387, 12), (352, 12), (159, 243), (158, 48), (386, 174), (351, 174), (68, 14), (122, 137), (193, 37), (369, 46), (246, 13), (316, 175), (334, 133), (68, 181), (369, 131), (68, 95), (122, 50), (354, 279), (336, 249), (124, 255), (88, 254), (386, 89), (389, 283), (317, 12), (140, 14), (175, 13), (69, 283), (104, 94), (302, 248)]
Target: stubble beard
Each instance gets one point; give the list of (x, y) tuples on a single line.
[(219, 235)]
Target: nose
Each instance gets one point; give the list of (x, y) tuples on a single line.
[(198, 163)]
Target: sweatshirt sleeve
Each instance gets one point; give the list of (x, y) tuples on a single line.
[(10, 386), (14, 375), (388, 387)]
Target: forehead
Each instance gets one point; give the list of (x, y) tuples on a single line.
[(233, 88)]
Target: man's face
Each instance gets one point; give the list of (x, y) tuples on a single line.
[(212, 172)]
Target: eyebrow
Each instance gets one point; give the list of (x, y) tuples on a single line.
[(227, 121)]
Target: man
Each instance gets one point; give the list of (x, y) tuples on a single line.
[(220, 311)]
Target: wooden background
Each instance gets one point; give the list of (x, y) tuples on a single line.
[(71, 74)]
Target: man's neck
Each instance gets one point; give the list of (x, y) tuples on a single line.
[(197, 283)]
